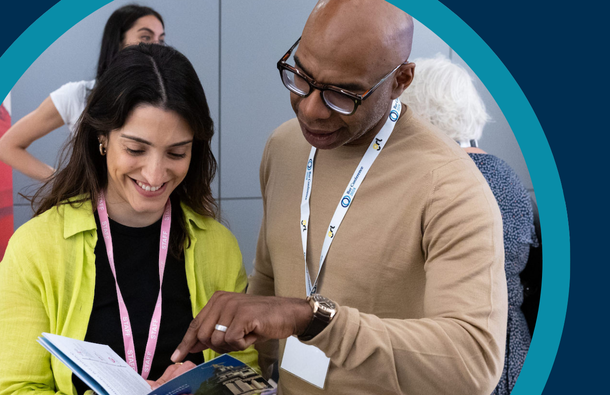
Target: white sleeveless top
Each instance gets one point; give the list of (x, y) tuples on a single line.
[(70, 100)]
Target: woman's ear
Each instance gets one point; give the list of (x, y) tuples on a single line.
[(103, 144)]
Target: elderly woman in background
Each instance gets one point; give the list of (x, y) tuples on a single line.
[(124, 233), (444, 94)]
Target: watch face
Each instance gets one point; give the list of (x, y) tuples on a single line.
[(324, 303)]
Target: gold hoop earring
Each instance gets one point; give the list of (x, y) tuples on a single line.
[(102, 149)]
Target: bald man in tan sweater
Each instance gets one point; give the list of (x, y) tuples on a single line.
[(411, 298)]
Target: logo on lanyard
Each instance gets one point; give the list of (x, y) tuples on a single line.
[(350, 191), (345, 201), (377, 144)]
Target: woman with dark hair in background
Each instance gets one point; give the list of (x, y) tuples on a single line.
[(127, 25), (443, 93), (124, 232)]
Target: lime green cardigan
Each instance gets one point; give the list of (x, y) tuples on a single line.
[(47, 283)]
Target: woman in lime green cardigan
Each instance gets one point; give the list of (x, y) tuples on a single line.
[(124, 248)]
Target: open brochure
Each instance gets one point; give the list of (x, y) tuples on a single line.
[(106, 373)]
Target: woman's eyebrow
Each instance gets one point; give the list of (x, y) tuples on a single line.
[(137, 139), (141, 140), (185, 142)]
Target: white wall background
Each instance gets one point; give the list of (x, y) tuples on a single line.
[(234, 46)]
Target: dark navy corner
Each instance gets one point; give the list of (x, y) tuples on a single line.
[(16, 17)]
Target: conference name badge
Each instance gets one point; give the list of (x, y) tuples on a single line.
[(308, 363)]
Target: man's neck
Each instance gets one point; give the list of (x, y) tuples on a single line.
[(368, 136)]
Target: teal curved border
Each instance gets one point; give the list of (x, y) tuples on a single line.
[(39, 36), (505, 90), (545, 178)]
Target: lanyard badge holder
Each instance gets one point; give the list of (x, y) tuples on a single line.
[(305, 361), (153, 332)]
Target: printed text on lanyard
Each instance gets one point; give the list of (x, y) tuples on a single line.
[(153, 332), (348, 196)]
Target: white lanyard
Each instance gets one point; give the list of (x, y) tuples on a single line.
[(363, 167), (468, 143), (153, 332)]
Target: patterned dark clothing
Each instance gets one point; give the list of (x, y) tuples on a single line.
[(518, 221)]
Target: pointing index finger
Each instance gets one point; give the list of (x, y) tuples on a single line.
[(197, 337), (189, 341)]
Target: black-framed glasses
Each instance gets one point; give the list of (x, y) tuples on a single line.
[(336, 98)]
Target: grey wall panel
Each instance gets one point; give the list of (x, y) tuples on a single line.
[(498, 138), (192, 26), (254, 36), (21, 214), (243, 217)]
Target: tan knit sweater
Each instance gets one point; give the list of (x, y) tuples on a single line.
[(417, 266)]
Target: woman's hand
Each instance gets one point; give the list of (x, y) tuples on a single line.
[(171, 372), (24, 132)]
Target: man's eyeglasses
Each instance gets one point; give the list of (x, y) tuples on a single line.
[(336, 98)]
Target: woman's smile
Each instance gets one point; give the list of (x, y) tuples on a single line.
[(147, 159)]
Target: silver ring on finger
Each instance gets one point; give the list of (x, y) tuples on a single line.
[(220, 328)]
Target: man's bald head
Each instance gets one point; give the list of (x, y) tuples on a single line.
[(361, 28), (355, 46)]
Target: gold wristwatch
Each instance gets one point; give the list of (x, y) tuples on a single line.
[(324, 310)]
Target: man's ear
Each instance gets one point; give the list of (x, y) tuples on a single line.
[(403, 78)]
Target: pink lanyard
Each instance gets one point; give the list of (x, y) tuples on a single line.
[(151, 344)]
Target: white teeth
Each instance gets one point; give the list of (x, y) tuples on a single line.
[(148, 188)]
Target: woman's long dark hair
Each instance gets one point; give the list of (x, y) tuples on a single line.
[(142, 74), (119, 22)]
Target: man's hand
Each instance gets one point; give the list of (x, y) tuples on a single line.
[(248, 319), (171, 372)]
